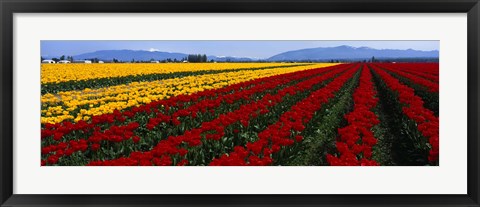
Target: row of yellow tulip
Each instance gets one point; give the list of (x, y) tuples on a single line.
[(57, 73), (65, 105)]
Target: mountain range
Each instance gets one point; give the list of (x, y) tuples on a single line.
[(321, 53), (352, 53)]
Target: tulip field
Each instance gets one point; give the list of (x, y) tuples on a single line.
[(240, 114)]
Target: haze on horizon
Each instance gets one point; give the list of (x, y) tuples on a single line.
[(235, 48)]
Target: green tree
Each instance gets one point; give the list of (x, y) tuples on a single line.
[(198, 58)]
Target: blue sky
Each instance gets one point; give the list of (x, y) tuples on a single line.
[(255, 49)]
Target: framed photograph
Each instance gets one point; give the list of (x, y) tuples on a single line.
[(239, 103)]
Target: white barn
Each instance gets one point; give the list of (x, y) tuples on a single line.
[(82, 61), (48, 61), (64, 61)]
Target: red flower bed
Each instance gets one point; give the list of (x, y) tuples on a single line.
[(57, 131), (413, 108), (288, 119), (417, 69), (215, 129), (285, 132), (124, 132), (431, 86), (428, 69), (356, 140)]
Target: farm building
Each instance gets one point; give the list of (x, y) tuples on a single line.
[(154, 61), (64, 61), (100, 61), (82, 61), (48, 61)]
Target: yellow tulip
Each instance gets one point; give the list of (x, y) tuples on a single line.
[(59, 106)]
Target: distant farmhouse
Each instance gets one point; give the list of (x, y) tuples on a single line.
[(82, 61), (48, 61), (64, 61)]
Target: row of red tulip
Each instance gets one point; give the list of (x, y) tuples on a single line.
[(55, 132), (286, 131), (178, 146), (427, 122), (429, 71), (355, 141), (125, 131), (431, 86)]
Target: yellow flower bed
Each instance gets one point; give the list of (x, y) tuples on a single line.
[(57, 73), (63, 105)]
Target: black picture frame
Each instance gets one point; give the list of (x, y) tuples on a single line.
[(9, 7)]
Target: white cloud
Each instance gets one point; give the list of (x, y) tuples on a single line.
[(153, 50)]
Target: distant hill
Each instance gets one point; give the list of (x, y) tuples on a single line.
[(144, 55), (350, 53), (230, 58), (128, 55), (313, 54)]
